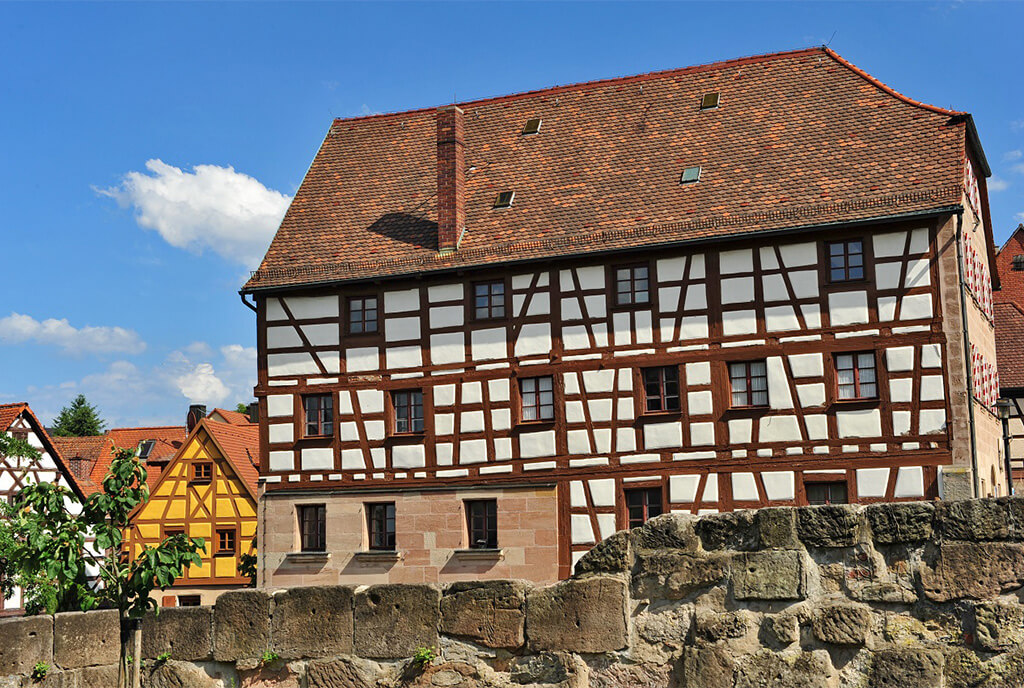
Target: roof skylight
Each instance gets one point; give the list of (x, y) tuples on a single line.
[(532, 126), (146, 448), (691, 175), (709, 101), (504, 199)]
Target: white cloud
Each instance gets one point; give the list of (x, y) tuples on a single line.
[(1017, 125), (1018, 168), (201, 384), (211, 207), (18, 329), (997, 184), (202, 378), (1010, 156)]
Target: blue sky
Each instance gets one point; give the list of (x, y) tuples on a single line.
[(148, 149)]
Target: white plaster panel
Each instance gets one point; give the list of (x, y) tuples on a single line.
[(274, 310), (472, 451), (575, 337), (577, 498), (622, 330), (403, 356), (901, 422), (698, 373), (374, 429), (817, 427), (739, 260), (694, 327), (780, 319), (370, 400), (444, 423), (775, 288), (280, 405), (663, 435), (932, 388), (916, 307), (283, 337), (696, 266), (848, 307), (668, 299), (779, 486), (744, 489), (317, 459), (779, 429), (348, 431), (811, 395), (794, 255), (534, 338), (281, 432), (768, 259), (812, 315), (308, 307), (360, 359), (534, 444), (489, 344), (932, 421), (603, 439), (445, 292), (899, 358), (444, 453), (931, 356), (696, 297), (740, 430), (582, 533), (471, 421), (909, 482), (397, 301), (702, 434), (887, 275), (918, 273), (859, 423), (699, 403), (344, 402), (571, 309), (669, 269), (591, 277), (889, 244), (710, 489), (525, 280), (472, 392), (447, 316), (886, 308), (498, 389), (291, 364), (602, 492), (778, 384), (606, 522), (599, 380), (447, 348), (738, 290), (624, 409), (739, 322), (625, 439), (871, 482), (398, 329), (280, 461), (919, 240), (571, 382), (444, 395), (682, 489), (501, 419), (805, 283), (600, 410), (596, 305), (643, 330), (578, 442)]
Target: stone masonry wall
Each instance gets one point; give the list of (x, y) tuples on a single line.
[(909, 595)]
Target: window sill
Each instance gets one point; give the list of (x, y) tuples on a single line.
[(480, 554), (384, 555), (307, 557)]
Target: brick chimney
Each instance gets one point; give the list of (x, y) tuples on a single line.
[(451, 178), (196, 412)]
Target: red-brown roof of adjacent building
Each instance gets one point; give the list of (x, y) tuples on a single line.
[(1009, 321), (230, 417), (799, 139), (241, 446)]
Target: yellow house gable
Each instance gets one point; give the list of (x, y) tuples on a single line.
[(201, 494)]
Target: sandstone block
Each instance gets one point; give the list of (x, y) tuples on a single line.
[(780, 630), (734, 530), (82, 639), (834, 525), (586, 615), (975, 520), (842, 624), (975, 570), (241, 625), (347, 672), (545, 668), (900, 522), (490, 613), (97, 677), (185, 632), (790, 669), (175, 674), (723, 625), (776, 528), (612, 555), (768, 575), (391, 621), (24, 642), (906, 668), (706, 667), (668, 531), (674, 575), (314, 621), (998, 626)]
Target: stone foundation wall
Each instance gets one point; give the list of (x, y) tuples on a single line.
[(909, 595)]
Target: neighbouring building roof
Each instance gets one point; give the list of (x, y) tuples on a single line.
[(1011, 282), (241, 447), (1009, 322), (10, 413), (799, 139), (227, 416)]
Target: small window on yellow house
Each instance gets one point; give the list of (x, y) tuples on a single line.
[(171, 532), (202, 472), (226, 542)]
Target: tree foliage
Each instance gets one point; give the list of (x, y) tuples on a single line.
[(78, 419)]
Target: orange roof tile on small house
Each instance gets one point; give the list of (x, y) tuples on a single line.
[(798, 139), (229, 417), (240, 445), (166, 441)]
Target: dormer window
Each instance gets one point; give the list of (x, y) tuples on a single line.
[(1018, 263), (532, 126), (504, 199)]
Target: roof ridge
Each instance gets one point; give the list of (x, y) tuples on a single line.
[(595, 83), (145, 427)]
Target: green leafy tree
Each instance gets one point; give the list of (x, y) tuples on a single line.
[(50, 529), (78, 419), (242, 408)]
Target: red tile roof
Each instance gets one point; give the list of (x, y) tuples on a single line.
[(241, 447), (10, 412), (1010, 345), (230, 417), (800, 139), (1011, 282), (168, 440)]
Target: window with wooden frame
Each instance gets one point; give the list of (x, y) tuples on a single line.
[(171, 532), (642, 504), (536, 399), (632, 285), (482, 523), (408, 409), (856, 376), (319, 413), (661, 389), (380, 526), (202, 471), (312, 527), (748, 382), (845, 260), (190, 601), (20, 434), (830, 492), (489, 300), (362, 314), (227, 542)]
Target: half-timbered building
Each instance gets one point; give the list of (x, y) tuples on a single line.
[(494, 333), (18, 421)]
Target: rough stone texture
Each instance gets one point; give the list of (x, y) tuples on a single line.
[(97, 677), (734, 530), (780, 630), (241, 625), (785, 670), (83, 639), (185, 632), (836, 525), (341, 672), (274, 675), (545, 668), (490, 613), (976, 520), (391, 621), (842, 624), (175, 674), (768, 575), (973, 570), (668, 531), (706, 667), (776, 528), (587, 615), (715, 627), (900, 522), (906, 668), (314, 621), (611, 555), (675, 575), (998, 626), (24, 642)]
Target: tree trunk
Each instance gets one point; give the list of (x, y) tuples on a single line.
[(137, 655)]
